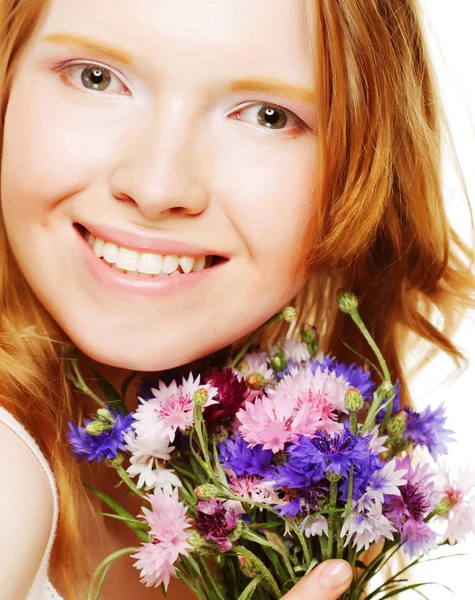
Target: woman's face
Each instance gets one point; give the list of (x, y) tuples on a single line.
[(172, 131)]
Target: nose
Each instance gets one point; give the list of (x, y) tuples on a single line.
[(157, 167)]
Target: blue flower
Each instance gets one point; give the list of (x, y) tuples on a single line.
[(99, 447), (243, 460), (428, 429), (340, 453), (354, 374)]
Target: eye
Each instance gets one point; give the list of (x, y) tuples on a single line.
[(94, 77), (270, 116)]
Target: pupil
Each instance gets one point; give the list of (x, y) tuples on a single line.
[(270, 116), (96, 78)]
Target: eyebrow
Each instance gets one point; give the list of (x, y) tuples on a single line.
[(255, 84), (274, 86), (95, 46)]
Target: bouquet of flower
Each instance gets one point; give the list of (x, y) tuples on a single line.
[(253, 472)]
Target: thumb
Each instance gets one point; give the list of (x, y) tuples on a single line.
[(326, 582)]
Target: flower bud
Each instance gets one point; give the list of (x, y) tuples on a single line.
[(386, 388), (347, 302), (96, 427), (249, 567), (200, 397), (105, 414), (289, 314), (255, 381), (309, 334), (207, 491), (197, 541), (115, 462), (353, 399), (397, 427), (237, 531), (444, 507), (276, 363)]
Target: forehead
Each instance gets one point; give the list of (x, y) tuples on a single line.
[(257, 37)]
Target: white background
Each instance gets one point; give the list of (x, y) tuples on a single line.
[(451, 29)]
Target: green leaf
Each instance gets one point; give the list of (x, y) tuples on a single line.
[(126, 383), (105, 565), (110, 393), (102, 581), (141, 534), (250, 588), (413, 587)]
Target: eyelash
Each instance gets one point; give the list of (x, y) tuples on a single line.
[(64, 70)]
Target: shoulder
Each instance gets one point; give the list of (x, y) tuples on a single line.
[(26, 514)]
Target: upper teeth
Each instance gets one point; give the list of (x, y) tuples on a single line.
[(143, 262)]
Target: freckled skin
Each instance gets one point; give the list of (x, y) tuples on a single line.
[(159, 153)]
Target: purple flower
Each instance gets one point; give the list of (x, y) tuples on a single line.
[(215, 522), (428, 429), (408, 510), (354, 374), (103, 446), (236, 455)]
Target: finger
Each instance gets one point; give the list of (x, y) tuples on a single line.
[(326, 582)]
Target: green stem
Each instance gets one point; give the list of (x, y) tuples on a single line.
[(331, 518), (83, 387), (366, 334), (262, 568), (302, 540), (212, 579), (129, 482), (252, 338), (104, 564), (349, 503), (354, 422)]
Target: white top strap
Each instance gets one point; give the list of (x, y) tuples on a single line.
[(41, 579)]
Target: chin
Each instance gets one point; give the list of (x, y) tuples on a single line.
[(142, 358)]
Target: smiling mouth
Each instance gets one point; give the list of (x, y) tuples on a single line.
[(146, 264)]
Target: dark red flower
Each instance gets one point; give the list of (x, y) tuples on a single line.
[(215, 522), (232, 394)]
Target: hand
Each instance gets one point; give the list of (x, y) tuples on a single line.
[(326, 582)]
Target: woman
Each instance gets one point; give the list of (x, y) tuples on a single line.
[(226, 158)]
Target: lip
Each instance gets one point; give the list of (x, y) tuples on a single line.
[(141, 243), (136, 285)]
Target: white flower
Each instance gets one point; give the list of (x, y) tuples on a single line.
[(315, 526), (142, 449), (458, 494), (366, 524), (387, 480), (293, 350), (153, 476), (377, 443), (146, 462)]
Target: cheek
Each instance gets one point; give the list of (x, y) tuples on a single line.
[(271, 205), (51, 150)]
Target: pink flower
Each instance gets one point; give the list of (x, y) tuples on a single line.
[(301, 404), (458, 500), (170, 409), (168, 524)]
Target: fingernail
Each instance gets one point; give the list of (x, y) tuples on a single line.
[(335, 574)]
